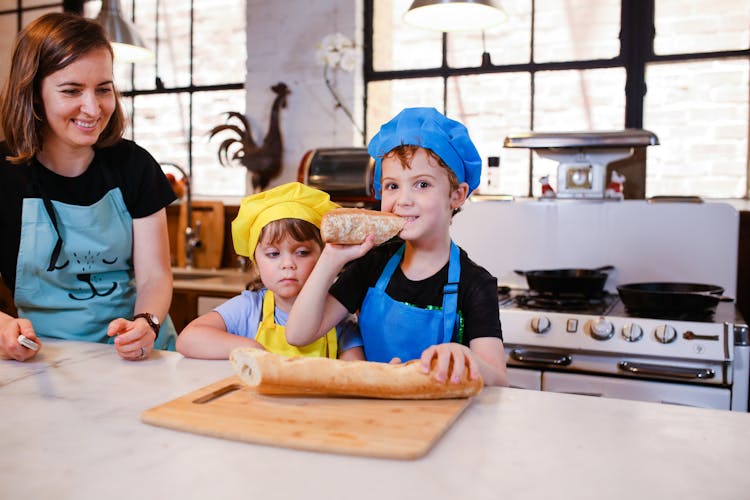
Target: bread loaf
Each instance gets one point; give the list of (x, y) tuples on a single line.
[(350, 226), (269, 373)]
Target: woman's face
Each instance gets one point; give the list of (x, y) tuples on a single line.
[(79, 101)]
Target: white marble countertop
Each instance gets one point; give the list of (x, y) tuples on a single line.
[(70, 429)]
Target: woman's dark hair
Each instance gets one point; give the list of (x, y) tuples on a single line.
[(48, 44)]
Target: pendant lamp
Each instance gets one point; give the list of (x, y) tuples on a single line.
[(455, 15), (127, 43)]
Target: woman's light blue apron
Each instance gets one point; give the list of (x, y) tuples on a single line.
[(392, 329), (74, 272)]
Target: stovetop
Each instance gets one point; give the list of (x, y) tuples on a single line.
[(606, 327), (606, 304)]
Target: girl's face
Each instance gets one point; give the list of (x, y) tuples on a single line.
[(285, 265), (78, 101), (422, 194)]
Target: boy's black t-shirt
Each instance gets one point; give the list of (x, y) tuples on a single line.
[(124, 165), (477, 289)]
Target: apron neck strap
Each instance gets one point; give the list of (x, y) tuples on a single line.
[(450, 294), (50, 209)]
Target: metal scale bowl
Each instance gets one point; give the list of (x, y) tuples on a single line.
[(586, 159)]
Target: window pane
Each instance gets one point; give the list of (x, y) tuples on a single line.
[(399, 46), (385, 99), (580, 100), (209, 176), (508, 43), (8, 26), (571, 30), (219, 42), (699, 112), (701, 26), (28, 16), (161, 126), (34, 3), (491, 106)]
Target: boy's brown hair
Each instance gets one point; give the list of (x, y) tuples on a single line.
[(49, 44)]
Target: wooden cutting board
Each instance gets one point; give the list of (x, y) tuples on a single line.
[(403, 429)]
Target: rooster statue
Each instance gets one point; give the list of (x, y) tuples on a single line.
[(263, 162)]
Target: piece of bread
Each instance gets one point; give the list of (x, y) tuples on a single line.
[(350, 226), (269, 373)]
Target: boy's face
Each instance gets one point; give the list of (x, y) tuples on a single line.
[(422, 194)]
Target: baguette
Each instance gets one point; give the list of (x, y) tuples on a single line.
[(269, 373), (350, 226)]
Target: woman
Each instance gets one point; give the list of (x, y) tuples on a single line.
[(83, 227)]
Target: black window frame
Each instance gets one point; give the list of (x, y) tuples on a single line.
[(637, 33)]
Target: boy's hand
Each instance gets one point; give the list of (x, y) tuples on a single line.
[(458, 354), (338, 255)]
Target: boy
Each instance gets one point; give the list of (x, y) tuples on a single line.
[(423, 297)]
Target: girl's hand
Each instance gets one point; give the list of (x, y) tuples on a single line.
[(459, 354), (135, 339), (9, 346)]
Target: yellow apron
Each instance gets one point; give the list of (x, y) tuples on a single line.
[(273, 336)]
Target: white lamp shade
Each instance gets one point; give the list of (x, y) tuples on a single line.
[(127, 43), (455, 15)]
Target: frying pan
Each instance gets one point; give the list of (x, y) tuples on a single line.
[(588, 282), (671, 298)]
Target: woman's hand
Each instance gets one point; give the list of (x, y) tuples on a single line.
[(445, 353), (134, 340), (9, 346)]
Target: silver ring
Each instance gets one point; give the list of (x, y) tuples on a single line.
[(143, 353)]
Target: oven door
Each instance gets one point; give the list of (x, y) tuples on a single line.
[(639, 390), (523, 378)]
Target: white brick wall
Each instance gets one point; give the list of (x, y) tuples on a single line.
[(282, 37)]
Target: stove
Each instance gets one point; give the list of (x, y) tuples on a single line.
[(595, 345)]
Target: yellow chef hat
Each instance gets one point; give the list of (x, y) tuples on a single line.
[(288, 201)]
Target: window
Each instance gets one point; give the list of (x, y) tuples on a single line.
[(174, 100), (565, 65)]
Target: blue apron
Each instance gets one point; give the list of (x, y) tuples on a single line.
[(74, 272), (392, 329)]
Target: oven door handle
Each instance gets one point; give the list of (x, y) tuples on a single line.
[(538, 357), (666, 371)]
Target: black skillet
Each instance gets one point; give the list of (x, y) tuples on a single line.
[(671, 298), (587, 282)]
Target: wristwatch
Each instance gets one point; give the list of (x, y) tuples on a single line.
[(151, 319)]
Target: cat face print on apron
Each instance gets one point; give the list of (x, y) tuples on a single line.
[(74, 272), (273, 336), (392, 329)]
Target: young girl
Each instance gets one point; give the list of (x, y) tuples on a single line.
[(421, 297), (279, 230)]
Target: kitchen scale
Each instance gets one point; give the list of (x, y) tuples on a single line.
[(583, 158)]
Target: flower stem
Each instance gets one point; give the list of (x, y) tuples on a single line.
[(339, 103)]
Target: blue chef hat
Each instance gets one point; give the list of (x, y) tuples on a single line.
[(430, 129)]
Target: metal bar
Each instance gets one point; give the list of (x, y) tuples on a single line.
[(666, 371)]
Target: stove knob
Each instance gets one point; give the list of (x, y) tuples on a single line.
[(601, 329), (632, 332), (540, 324), (665, 334)]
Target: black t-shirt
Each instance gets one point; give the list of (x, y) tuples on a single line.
[(125, 165), (477, 289)]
